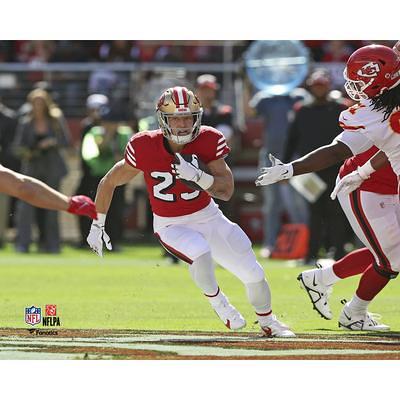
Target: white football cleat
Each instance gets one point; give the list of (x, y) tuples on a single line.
[(272, 327), (228, 314), (317, 292), (361, 322)]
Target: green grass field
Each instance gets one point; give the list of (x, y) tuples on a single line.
[(137, 289)]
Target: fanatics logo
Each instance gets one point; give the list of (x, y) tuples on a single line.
[(33, 315)]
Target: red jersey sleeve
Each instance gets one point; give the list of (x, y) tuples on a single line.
[(134, 151), (216, 146)]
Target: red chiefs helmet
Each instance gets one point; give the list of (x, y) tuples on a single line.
[(175, 102), (370, 71)]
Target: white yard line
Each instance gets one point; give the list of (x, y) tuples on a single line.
[(133, 343)]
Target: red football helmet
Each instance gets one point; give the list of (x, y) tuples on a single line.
[(175, 102), (370, 71)]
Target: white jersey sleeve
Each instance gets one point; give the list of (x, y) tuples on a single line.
[(354, 141), (363, 127)]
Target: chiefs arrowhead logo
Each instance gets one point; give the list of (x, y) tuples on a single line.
[(369, 70)]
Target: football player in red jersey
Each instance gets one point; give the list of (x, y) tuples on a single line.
[(187, 221), (37, 193), (368, 197)]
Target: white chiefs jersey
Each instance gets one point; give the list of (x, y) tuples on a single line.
[(364, 127)]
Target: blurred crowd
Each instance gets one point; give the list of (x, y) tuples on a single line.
[(194, 51), (44, 51), (35, 138), (36, 141)]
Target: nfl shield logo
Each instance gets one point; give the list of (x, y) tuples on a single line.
[(33, 315)]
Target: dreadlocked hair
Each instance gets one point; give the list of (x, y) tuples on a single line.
[(387, 102)]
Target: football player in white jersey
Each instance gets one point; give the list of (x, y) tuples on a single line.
[(373, 78)]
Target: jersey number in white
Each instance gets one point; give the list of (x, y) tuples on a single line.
[(167, 181)]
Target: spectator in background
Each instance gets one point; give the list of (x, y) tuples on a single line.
[(8, 122), (26, 107), (219, 116), (34, 51), (96, 104), (40, 136), (102, 146), (315, 125), (336, 51), (116, 51), (215, 114), (277, 199), (102, 81)]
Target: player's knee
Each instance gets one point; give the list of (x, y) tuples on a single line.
[(389, 272), (257, 273), (204, 258), (238, 241), (251, 272)]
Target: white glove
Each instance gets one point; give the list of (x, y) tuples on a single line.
[(352, 181), (186, 170), (189, 172), (278, 172), (98, 235)]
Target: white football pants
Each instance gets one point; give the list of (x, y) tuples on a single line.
[(375, 219), (229, 245)]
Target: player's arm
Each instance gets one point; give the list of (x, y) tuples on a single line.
[(222, 187), (120, 174), (31, 190), (319, 159), (378, 161), (37, 193), (352, 181)]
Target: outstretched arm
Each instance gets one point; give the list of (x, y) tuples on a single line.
[(31, 190), (321, 158), (317, 160), (37, 193)]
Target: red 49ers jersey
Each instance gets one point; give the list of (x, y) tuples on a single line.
[(364, 127), (383, 181), (169, 197)]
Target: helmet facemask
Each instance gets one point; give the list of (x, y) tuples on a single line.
[(356, 89), (174, 134)]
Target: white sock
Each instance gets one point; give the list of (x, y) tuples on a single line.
[(265, 320), (327, 276), (217, 298), (202, 272), (357, 305), (259, 296)]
